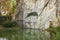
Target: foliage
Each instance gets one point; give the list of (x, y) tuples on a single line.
[(6, 21), (57, 30), (4, 18), (9, 24), (8, 5)]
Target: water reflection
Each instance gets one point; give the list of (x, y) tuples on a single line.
[(32, 34), (10, 35), (25, 34), (3, 38)]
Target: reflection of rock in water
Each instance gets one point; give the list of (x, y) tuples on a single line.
[(3, 39), (26, 34), (31, 34)]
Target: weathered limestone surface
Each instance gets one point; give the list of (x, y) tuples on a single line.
[(46, 13), (58, 5)]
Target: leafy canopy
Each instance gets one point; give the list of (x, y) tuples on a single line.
[(8, 6)]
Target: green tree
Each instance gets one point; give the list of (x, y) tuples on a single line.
[(8, 6)]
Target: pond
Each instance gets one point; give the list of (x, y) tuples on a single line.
[(25, 34)]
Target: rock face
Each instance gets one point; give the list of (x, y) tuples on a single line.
[(58, 5), (44, 16)]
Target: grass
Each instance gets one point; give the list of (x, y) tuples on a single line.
[(57, 31)]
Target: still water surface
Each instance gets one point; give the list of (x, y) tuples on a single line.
[(24, 34)]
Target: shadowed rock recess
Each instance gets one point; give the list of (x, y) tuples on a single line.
[(37, 13)]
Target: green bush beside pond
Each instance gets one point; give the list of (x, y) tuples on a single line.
[(6, 21), (9, 24), (57, 30), (4, 18)]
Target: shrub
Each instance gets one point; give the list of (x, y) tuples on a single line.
[(9, 24), (4, 18)]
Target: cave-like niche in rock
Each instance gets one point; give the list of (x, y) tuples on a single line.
[(32, 14)]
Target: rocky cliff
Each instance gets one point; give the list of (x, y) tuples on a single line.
[(40, 14)]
